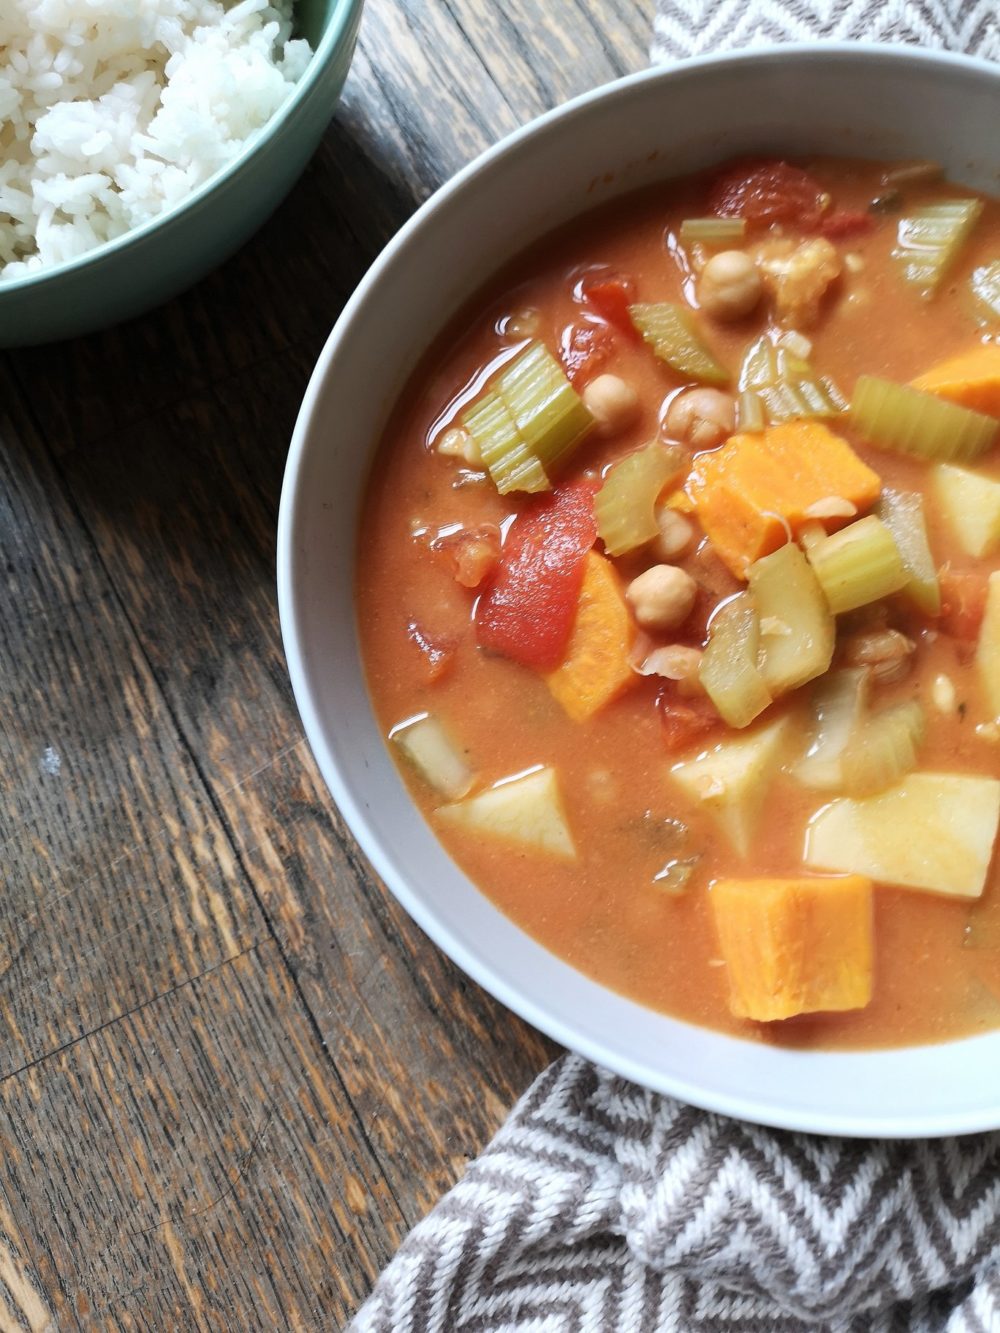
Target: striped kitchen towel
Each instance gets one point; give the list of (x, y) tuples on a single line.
[(700, 27), (601, 1207)]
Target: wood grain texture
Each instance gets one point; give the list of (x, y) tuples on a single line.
[(233, 1072)]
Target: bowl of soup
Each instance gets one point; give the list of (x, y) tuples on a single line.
[(638, 575)]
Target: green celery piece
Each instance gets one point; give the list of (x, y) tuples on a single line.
[(883, 749), (728, 669), (839, 706), (929, 239), (712, 231), (511, 463), (528, 422), (672, 332), (786, 384), (797, 629), (750, 412), (985, 284), (549, 413), (625, 505), (857, 565), (902, 512), (909, 421)]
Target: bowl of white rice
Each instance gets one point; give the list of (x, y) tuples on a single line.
[(142, 141)]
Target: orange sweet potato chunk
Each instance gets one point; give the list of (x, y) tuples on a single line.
[(795, 946), (971, 379), (596, 668), (756, 488)]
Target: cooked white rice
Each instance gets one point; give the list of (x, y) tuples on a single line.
[(112, 111)]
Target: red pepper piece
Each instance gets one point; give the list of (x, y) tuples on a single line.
[(682, 721), (584, 348), (766, 192), (611, 298), (528, 610), (963, 601), (844, 223)]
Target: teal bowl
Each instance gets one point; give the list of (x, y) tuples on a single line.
[(137, 271)]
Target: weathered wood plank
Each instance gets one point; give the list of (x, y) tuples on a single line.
[(192, 1165), (119, 882)]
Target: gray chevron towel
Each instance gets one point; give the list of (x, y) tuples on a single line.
[(603, 1208)]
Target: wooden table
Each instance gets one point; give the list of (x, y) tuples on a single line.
[(234, 1074)]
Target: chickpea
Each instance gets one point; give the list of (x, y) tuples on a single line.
[(679, 663), (661, 597), (676, 533), (612, 402), (701, 418), (729, 286)]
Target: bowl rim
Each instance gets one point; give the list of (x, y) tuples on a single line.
[(569, 1034), (338, 27)]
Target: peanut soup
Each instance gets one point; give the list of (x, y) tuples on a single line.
[(679, 603)]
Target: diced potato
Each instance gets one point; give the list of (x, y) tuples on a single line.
[(524, 809), (795, 946), (596, 669), (932, 831), (731, 780), (429, 748), (988, 650), (796, 626), (971, 504)]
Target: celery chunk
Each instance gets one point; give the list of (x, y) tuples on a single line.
[(985, 284), (672, 332), (528, 421), (929, 239), (524, 809), (796, 626), (511, 463), (550, 415), (971, 504), (839, 702), (908, 421), (857, 565), (785, 383), (625, 505), (431, 751), (728, 670), (902, 512), (883, 750), (712, 231), (750, 415)]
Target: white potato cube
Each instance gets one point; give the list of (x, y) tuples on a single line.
[(731, 780), (524, 809), (932, 831), (971, 505)]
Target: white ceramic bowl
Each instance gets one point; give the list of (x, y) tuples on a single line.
[(847, 99)]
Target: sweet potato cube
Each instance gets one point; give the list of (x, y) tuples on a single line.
[(595, 669), (971, 379), (750, 493), (795, 946)]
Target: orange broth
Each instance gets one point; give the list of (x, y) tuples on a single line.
[(602, 912)]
